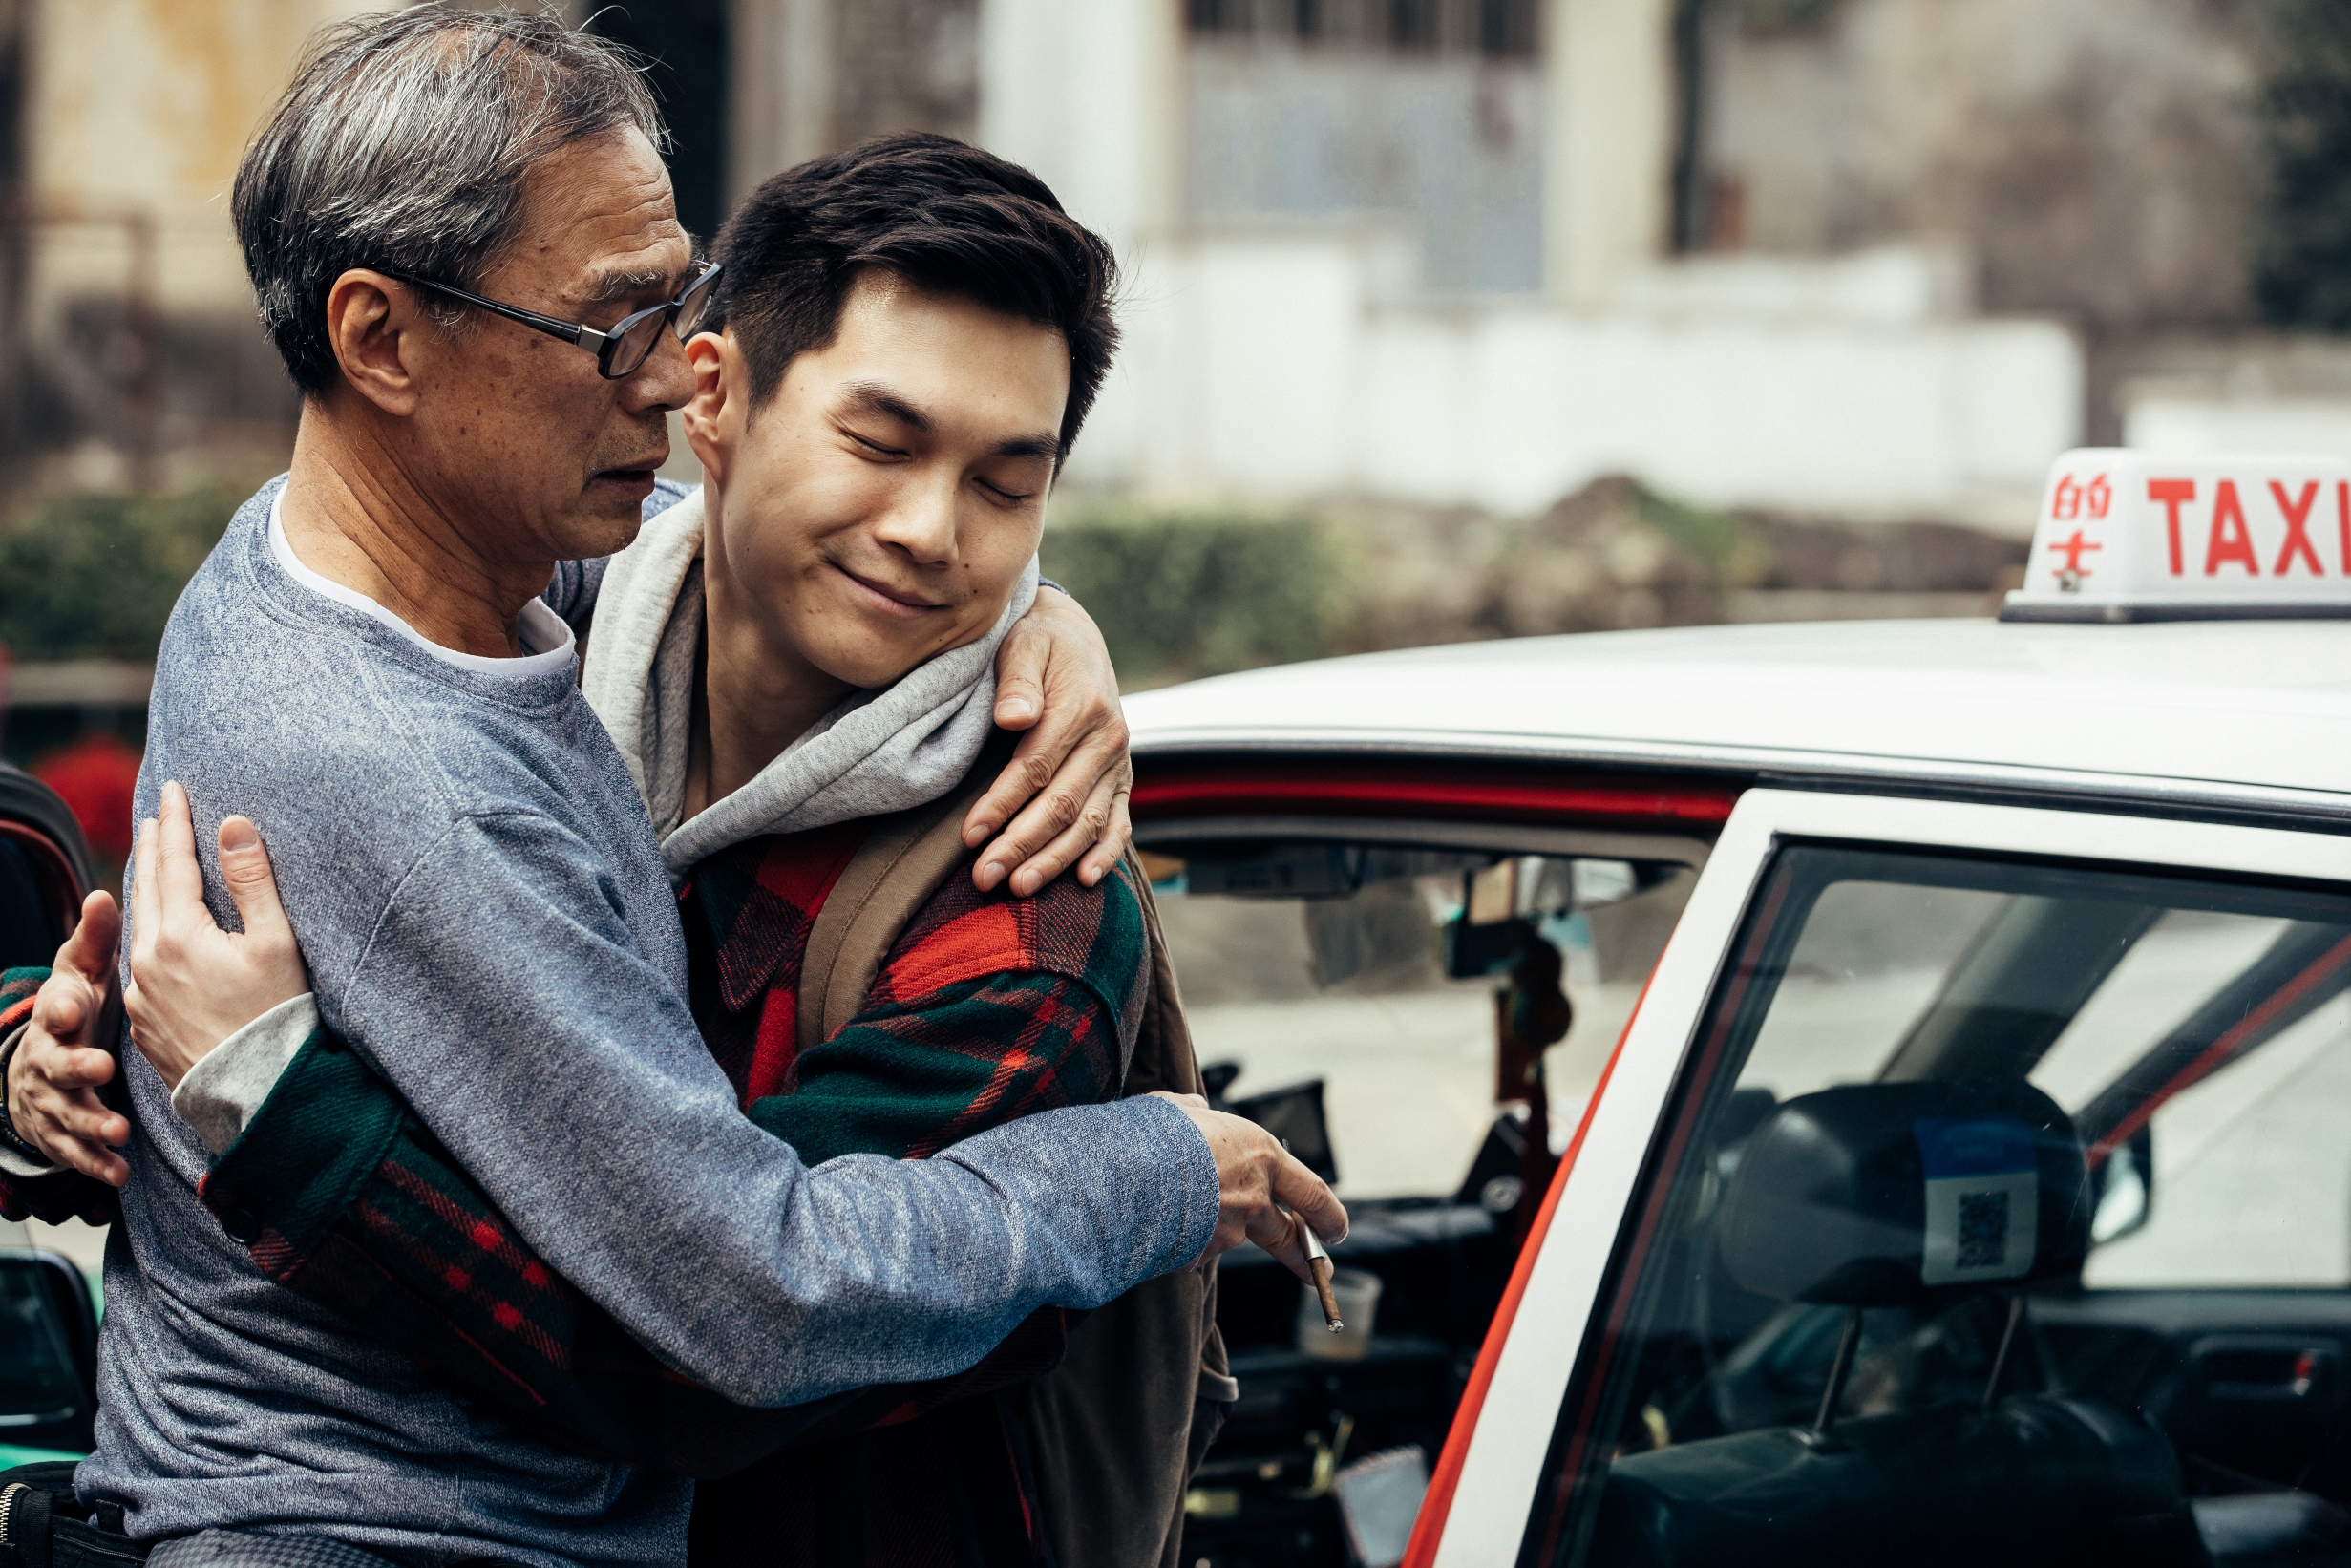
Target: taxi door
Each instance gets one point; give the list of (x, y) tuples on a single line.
[(1968, 1186)]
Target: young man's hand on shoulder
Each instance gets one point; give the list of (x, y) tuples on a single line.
[(1070, 778)]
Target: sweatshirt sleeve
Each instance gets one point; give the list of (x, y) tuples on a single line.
[(502, 1000), (339, 1193)]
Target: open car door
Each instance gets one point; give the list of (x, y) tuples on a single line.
[(1970, 1186)]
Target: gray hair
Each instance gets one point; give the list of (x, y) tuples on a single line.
[(403, 143)]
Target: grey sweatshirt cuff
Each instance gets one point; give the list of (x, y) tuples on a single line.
[(1193, 1181), (11, 1162), (228, 1084)]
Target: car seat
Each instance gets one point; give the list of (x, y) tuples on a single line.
[(1924, 1194)]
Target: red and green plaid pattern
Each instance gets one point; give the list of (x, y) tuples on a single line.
[(749, 912), (988, 1009), (18, 988), (67, 1194)]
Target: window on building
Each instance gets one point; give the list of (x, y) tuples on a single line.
[(1505, 28), (1415, 23)]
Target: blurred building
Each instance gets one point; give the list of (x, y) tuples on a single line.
[(1871, 258)]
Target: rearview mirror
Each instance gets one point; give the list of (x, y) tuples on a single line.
[(2124, 1187), (49, 1352)]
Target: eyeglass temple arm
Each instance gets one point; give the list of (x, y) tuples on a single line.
[(570, 331)]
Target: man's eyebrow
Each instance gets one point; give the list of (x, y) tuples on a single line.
[(879, 398), (1048, 446), (610, 286), (876, 397)]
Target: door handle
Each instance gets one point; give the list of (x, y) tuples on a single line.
[(2265, 1372)]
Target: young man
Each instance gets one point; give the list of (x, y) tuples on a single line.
[(364, 667)]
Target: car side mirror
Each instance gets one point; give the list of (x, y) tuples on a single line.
[(49, 1352), (2124, 1189)]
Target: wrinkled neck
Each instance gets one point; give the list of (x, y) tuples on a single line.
[(356, 515)]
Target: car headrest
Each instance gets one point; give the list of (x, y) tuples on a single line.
[(1880, 1195)]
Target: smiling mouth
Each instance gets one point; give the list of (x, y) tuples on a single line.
[(900, 601)]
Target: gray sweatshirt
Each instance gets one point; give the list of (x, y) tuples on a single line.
[(487, 919)]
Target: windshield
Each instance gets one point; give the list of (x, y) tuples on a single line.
[(1327, 963)]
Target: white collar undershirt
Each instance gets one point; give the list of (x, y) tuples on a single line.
[(547, 640)]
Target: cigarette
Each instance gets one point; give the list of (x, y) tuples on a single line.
[(1317, 1263)]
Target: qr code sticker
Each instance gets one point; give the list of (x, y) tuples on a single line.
[(1984, 1230)]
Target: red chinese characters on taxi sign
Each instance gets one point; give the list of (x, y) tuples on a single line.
[(2127, 535)]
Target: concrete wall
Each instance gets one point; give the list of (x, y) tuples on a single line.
[(1610, 114), (1269, 365), (139, 112), (2092, 156), (813, 76), (1296, 327), (1088, 94)]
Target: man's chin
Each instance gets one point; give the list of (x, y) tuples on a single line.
[(876, 659), (607, 523)]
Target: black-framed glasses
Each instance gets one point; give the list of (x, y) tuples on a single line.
[(621, 348)]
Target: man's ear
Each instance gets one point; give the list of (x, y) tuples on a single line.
[(712, 426), (374, 324)]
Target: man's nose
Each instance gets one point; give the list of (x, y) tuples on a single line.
[(923, 523), (666, 380)]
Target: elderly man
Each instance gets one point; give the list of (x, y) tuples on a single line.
[(367, 668)]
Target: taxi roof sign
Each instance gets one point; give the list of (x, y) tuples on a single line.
[(2147, 536)]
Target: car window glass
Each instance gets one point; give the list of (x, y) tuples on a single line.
[(2253, 1173), (2005, 1210), (36, 1366), (2185, 957), (1345, 983), (1869, 962), (1384, 1007)]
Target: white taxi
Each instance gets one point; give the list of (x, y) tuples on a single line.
[(1809, 1094)]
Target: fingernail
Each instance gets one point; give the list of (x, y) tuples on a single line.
[(991, 872), (236, 836), (1017, 708)]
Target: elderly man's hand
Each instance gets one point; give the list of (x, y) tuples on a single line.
[(61, 1064), (1054, 679), (1263, 1193), (192, 984)]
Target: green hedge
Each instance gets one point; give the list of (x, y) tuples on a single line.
[(1186, 592), (94, 577)]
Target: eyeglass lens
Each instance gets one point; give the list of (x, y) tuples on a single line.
[(634, 345)]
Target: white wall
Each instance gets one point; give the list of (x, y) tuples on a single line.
[(1608, 131), (1265, 364), (2191, 420), (1290, 357), (138, 107), (1085, 94)]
